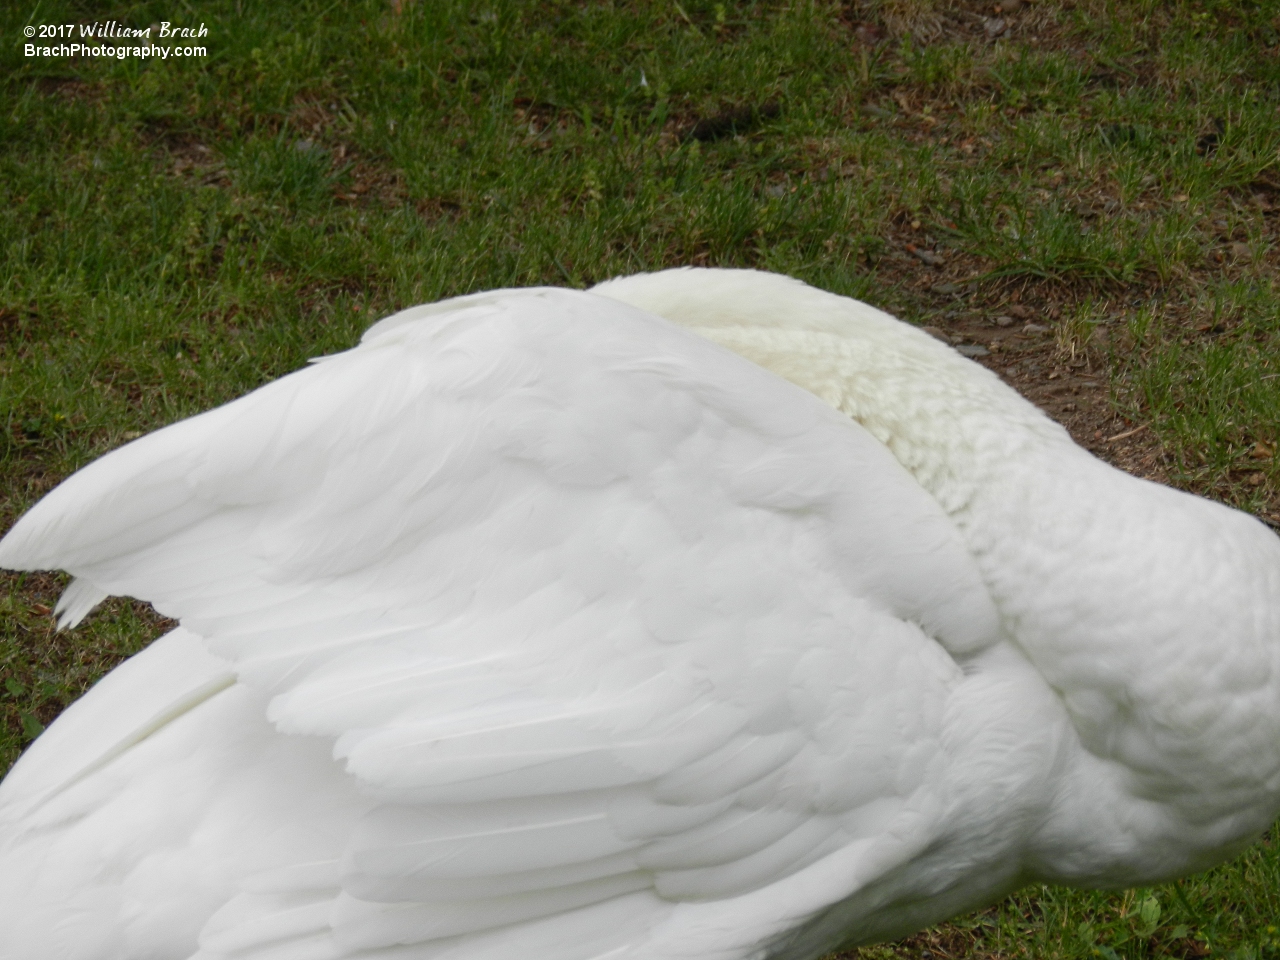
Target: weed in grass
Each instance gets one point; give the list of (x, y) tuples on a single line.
[(1074, 333)]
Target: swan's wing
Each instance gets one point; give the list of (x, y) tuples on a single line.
[(595, 608)]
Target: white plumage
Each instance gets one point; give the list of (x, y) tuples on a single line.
[(538, 626)]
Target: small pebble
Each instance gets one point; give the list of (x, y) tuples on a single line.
[(926, 256), (1035, 328), (868, 33), (973, 350), (1004, 321), (946, 288)]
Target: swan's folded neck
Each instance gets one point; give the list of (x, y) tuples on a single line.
[(947, 420), (1155, 615)]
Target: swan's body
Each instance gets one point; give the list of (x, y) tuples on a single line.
[(628, 648)]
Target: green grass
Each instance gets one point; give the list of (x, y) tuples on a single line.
[(174, 233)]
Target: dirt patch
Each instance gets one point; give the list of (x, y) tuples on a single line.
[(19, 324), (10, 324), (71, 89), (982, 21), (196, 163), (1026, 347)]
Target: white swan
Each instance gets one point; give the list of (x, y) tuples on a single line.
[(538, 626)]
